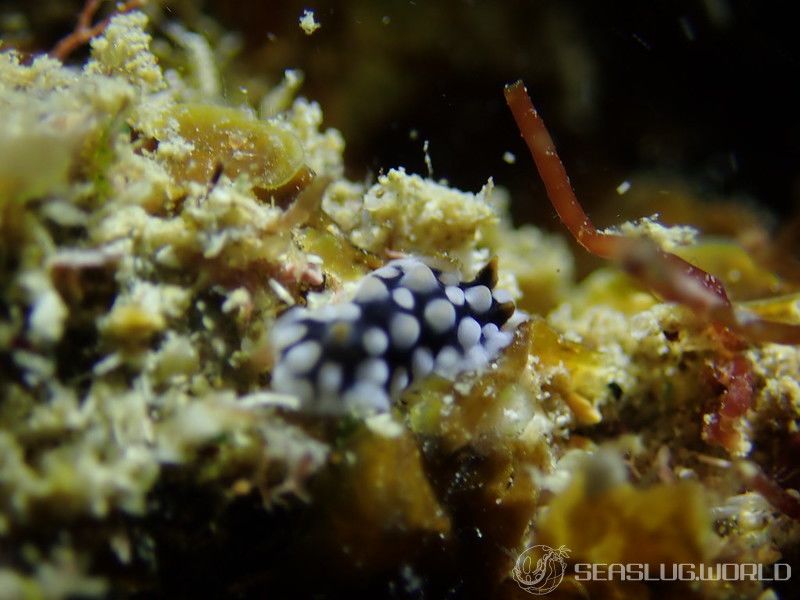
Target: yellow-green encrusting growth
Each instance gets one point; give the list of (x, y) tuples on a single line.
[(145, 252)]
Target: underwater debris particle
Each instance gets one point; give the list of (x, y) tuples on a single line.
[(307, 22)]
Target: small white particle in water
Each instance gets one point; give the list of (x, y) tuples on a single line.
[(509, 157), (302, 357), (307, 22), (404, 298), (404, 331), (440, 315), (428, 163), (623, 187), (375, 341), (479, 298)]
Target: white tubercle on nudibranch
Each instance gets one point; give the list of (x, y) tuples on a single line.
[(406, 320)]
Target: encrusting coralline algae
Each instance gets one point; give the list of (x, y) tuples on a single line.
[(150, 237)]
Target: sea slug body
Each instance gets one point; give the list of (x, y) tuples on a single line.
[(406, 320)]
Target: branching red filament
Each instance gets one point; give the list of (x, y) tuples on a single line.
[(666, 274), (85, 31)]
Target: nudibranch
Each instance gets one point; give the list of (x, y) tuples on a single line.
[(407, 320)]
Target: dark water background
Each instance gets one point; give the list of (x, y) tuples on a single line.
[(704, 90), (698, 91)]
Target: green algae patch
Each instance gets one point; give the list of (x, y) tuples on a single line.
[(231, 142)]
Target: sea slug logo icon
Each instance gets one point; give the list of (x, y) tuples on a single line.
[(540, 569)]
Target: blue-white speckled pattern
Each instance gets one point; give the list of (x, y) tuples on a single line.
[(406, 320)]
